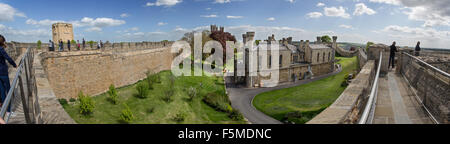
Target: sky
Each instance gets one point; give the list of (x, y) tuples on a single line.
[(359, 21)]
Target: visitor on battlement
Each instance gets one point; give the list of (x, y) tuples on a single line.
[(60, 45), (84, 43), (417, 50), (51, 45), (98, 45), (78, 45), (392, 56), (101, 44), (4, 78), (68, 44)]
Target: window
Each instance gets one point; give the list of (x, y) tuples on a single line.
[(270, 61), (318, 57), (281, 60), (323, 57)]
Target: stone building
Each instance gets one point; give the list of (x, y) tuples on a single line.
[(62, 31), (297, 60)]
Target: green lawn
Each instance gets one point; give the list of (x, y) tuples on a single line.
[(196, 111), (309, 99)]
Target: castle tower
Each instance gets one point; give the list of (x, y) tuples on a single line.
[(319, 40), (62, 31)]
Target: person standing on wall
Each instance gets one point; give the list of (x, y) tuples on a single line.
[(417, 50), (4, 78), (84, 44), (60, 45), (392, 56), (101, 44), (68, 44), (51, 45), (98, 45), (78, 44)]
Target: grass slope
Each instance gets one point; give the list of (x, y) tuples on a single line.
[(309, 99), (196, 111)]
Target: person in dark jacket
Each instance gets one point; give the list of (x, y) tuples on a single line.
[(84, 43), (68, 44), (417, 50), (4, 78), (392, 56), (60, 45)]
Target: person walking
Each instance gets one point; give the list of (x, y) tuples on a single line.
[(98, 45), (68, 44), (101, 44), (392, 55), (4, 78), (417, 50)]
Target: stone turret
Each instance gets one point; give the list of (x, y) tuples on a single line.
[(249, 36), (334, 46), (289, 40), (319, 40)]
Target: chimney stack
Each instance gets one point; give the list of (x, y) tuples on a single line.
[(319, 40)]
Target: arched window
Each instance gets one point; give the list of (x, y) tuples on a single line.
[(318, 57), (323, 57)]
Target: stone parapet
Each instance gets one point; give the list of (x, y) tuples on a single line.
[(350, 104)]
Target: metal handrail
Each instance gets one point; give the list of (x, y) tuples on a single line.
[(25, 67), (425, 63), (368, 110)]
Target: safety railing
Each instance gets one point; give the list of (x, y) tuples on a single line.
[(367, 115), (23, 92), (431, 86)]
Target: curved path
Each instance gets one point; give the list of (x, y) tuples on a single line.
[(242, 98)]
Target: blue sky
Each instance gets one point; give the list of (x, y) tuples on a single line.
[(381, 21)]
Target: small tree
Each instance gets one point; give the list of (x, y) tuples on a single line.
[(142, 89), (86, 104), (127, 115), (150, 80), (326, 39), (39, 44), (192, 93), (368, 45), (113, 97)]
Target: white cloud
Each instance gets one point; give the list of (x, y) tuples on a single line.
[(209, 16), (167, 3), (93, 29), (162, 23), (361, 9), (222, 1), (314, 15), (431, 12), (124, 15), (405, 35), (94, 25), (270, 19), (320, 4), (393, 2), (7, 13), (346, 26), (235, 17), (290, 1), (336, 12), (22, 35)]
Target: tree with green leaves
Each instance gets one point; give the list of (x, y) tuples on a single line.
[(113, 96), (368, 45), (326, 39), (39, 44)]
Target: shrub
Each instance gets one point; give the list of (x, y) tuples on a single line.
[(72, 100), (63, 102), (142, 89), (86, 104), (113, 97), (192, 93), (179, 117), (127, 115), (39, 44), (236, 115), (151, 110), (218, 102), (167, 97)]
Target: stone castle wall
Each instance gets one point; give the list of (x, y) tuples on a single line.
[(93, 71)]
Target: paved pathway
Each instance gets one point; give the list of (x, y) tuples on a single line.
[(242, 98), (397, 104)]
